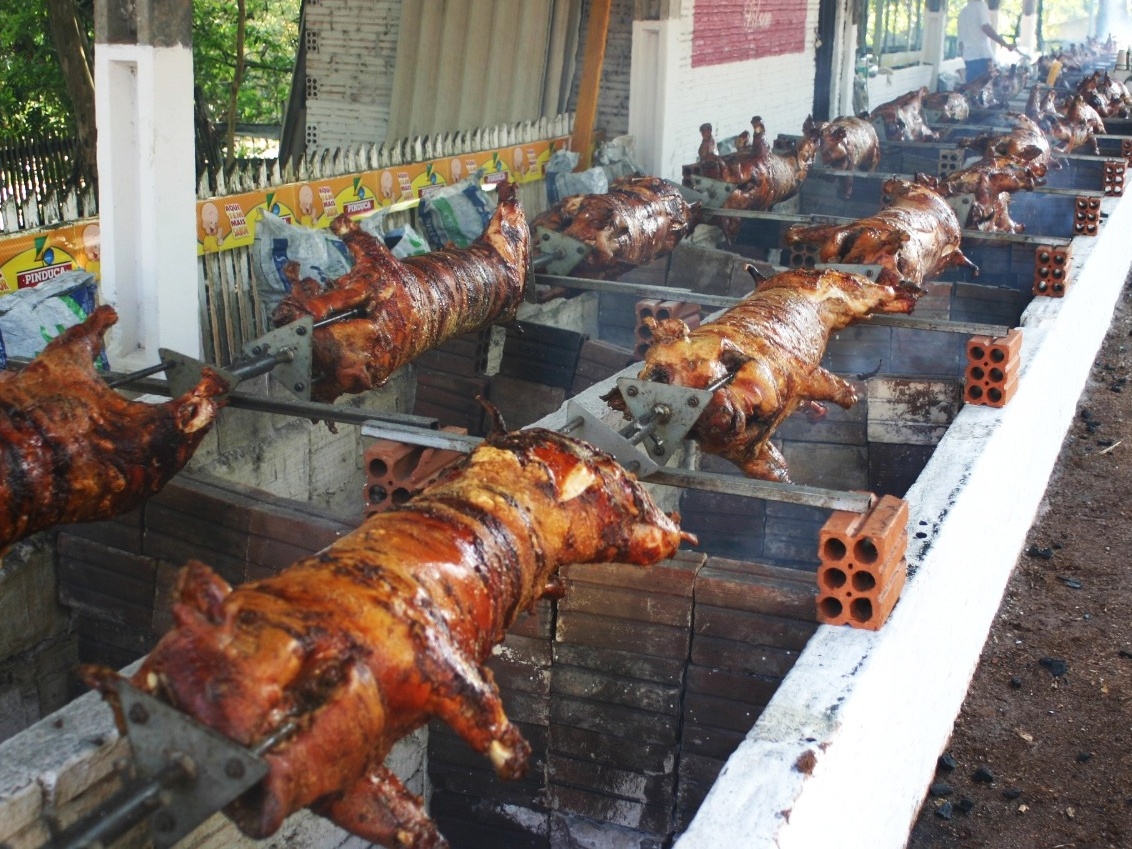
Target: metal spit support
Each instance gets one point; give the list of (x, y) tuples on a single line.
[(186, 772)]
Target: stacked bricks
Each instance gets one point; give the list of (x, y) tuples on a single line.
[(473, 807), (396, 471), (862, 567), (1087, 215), (621, 645), (688, 312), (1113, 185), (598, 360), (535, 372), (993, 365), (1126, 149), (1051, 270), (119, 575), (450, 377), (751, 620)]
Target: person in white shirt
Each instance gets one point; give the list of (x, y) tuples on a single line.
[(978, 38)]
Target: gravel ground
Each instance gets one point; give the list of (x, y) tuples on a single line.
[(1041, 754)]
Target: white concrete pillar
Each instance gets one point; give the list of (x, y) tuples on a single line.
[(650, 84), (1028, 35), (147, 177), (935, 26)]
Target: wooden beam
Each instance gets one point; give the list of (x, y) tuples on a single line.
[(585, 113)]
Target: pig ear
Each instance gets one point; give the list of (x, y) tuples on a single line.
[(201, 589)]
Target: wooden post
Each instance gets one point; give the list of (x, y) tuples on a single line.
[(597, 29)]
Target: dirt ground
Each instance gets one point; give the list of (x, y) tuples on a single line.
[(1041, 753)]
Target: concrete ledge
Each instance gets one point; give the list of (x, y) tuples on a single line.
[(848, 745)]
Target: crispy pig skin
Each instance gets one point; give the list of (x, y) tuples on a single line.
[(74, 450), (771, 344), (913, 238), (903, 117), (762, 177), (407, 307), (638, 220), (390, 625)]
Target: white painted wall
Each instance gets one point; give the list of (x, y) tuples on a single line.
[(147, 199), (667, 105)]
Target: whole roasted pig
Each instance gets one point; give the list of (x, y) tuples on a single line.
[(74, 450), (1026, 142), (946, 107), (848, 144), (1073, 126), (1106, 94), (769, 177), (914, 237), (638, 220), (402, 308), (903, 117), (770, 347), (990, 182), (389, 626)]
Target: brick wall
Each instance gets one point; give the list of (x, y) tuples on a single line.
[(351, 50)]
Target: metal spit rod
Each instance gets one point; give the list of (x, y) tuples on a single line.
[(858, 502), (668, 293), (123, 811), (245, 370)]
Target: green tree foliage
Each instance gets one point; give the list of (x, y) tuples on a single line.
[(270, 44), (33, 97)]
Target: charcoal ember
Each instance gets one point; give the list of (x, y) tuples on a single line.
[(1084, 757), (965, 805), (1056, 666), (940, 789), (1016, 683), (983, 775), (944, 811), (1042, 553), (946, 762), (1012, 793)]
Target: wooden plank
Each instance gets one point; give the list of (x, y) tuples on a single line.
[(614, 720), (615, 782), (642, 637), (621, 603), (754, 628), (593, 58), (596, 745), (628, 664), (674, 576), (742, 657), (615, 690)]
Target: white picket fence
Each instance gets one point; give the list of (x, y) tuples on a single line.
[(230, 309)]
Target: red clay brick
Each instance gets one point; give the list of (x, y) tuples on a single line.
[(1051, 270), (1087, 215)]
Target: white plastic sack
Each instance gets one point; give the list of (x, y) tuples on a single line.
[(562, 182), (457, 213), (319, 253), (402, 241), (30, 318)]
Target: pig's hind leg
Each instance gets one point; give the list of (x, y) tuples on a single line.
[(822, 385)]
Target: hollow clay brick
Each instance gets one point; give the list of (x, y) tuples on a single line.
[(862, 564), (1113, 177), (1087, 215), (1051, 270)]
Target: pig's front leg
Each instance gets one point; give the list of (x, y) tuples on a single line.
[(822, 385), (381, 809), (763, 461)]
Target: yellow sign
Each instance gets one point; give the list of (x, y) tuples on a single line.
[(28, 259)]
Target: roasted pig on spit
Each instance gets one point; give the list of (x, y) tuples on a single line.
[(1026, 142), (365, 641), (903, 118), (761, 177), (1108, 96), (914, 237), (1072, 128), (948, 106), (638, 220), (74, 450), (403, 308), (770, 346), (847, 144), (990, 181)]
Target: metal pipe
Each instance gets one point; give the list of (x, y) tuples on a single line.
[(858, 502)]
